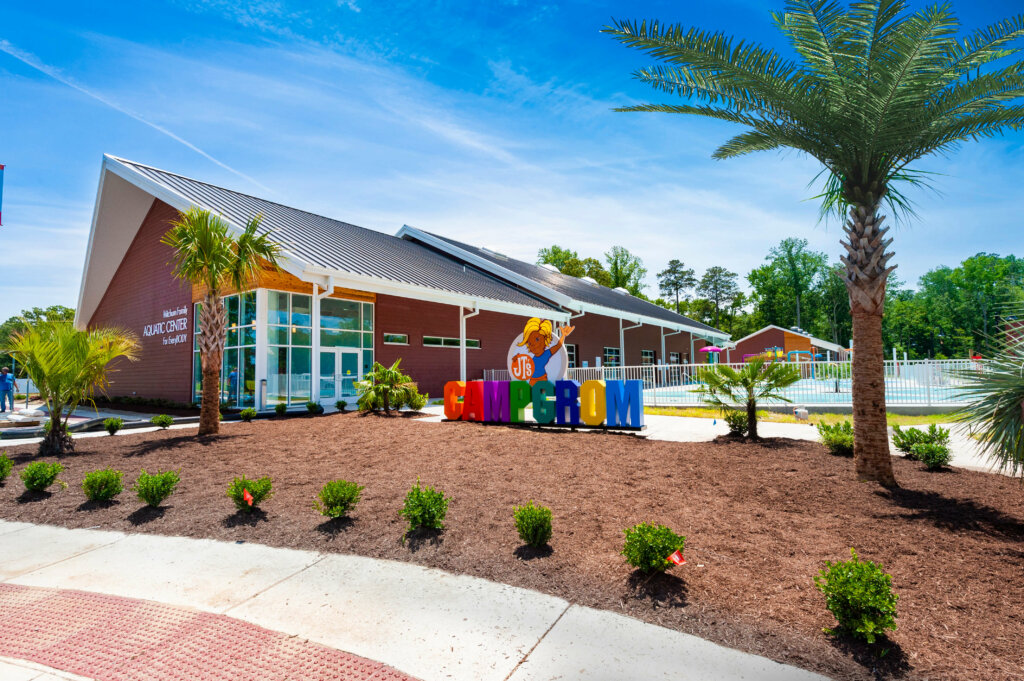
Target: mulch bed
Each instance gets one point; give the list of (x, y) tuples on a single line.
[(760, 521)]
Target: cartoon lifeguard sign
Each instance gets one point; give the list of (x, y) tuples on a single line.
[(537, 355)]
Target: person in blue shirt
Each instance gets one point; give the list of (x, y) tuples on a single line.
[(7, 387), (537, 337), (233, 385)]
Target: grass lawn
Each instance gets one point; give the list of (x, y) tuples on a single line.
[(760, 521), (815, 418)]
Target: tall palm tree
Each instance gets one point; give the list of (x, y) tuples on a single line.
[(207, 254), (994, 409), (68, 366), (876, 87)]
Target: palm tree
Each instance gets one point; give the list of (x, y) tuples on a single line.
[(207, 254), (386, 387), (876, 87), (728, 388), (994, 412), (68, 366)]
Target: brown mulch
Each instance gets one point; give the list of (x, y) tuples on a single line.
[(760, 520)]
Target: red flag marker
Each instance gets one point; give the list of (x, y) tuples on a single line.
[(677, 558), (248, 499)]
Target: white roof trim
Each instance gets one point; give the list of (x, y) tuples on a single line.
[(818, 342), (546, 292)]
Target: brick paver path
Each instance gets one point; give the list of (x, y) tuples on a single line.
[(109, 638)]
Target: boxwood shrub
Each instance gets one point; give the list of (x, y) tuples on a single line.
[(39, 475), (5, 466), (163, 421), (153, 489), (859, 594), (425, 508), (112, 425), (314, 408), (934, 455), (281, 409), (837, 438), (337, 498), (259, 490), (906, 440), (247, 414), (737, 421), (533, 523), (648, 546), (102, 485)]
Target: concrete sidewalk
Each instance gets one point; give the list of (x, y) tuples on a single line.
[(427, 623)]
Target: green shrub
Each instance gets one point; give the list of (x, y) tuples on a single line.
[(162, 420), (247, 414), (905, 440), (341, 404), (425, 507), (153, 489), (281, 409), (102, 485), (258, 489), (39, 475), (533, 523), (113, 424), (416, 400), (47, 424), (837, 438), (935, 456), (314, 408), (5, 466), (737, 421), (648, 546), (337, 498), (859, 594)]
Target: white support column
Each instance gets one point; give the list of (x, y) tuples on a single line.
[(262, 300), (462, 338), (314, 379), (693, 360)]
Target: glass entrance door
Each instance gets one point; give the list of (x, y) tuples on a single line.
[(339, 371)]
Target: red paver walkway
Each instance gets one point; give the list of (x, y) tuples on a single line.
[(110, 638)]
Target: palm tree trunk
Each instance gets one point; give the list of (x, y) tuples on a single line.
[(865, 277), (212, 331), (209, 408), (752, 420)]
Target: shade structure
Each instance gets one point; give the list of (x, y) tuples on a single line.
[(711, 348)]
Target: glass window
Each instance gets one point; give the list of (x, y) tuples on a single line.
[(302, 310), (277, 307), (611, 357), (448, 342), (301, 374), (339, 314), (231, 302), (247, 383), (339, 339), (396, 338), (367, 360), (367, 317), (277, 375), (367, 340), (247, 311), (673, 358), (647, 357), (277, 335), (302, 336), (570, 351)]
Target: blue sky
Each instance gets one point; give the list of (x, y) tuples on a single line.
[(489, 122)]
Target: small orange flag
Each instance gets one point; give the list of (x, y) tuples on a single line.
[(248, 498), (677, 558)]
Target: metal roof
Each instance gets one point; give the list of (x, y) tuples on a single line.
[(578, 289), (335, 245)]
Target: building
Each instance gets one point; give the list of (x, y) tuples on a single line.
[(789, 344), (342, 297)]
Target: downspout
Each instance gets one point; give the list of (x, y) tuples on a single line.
[(622, 340), (462, 338), (327, 291), (664, 357)]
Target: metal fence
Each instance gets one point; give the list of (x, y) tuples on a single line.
[(907, 382)]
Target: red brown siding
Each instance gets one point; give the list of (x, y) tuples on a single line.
[(141, 289)]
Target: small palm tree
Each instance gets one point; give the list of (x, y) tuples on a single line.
[(68, 366), (995, 406), (876, 87), (206, 253), (384, 386), (759, 379)]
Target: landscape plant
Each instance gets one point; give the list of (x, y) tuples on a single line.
[(40, 475), (102, 485), (994, 393), (533, 523), (724, 387), (425, 508), (904, 440), (875, 87), (247, 414), (337, 497), (387, 388), (859, 595), (68, 366), (208, 254), (934, 455), (281, 409), (6, 466), (314, 408), (154, 489), (248, 494), (837, 438), (112, 425), (341, 405), (648, 546), (736, 420), (162, 421)]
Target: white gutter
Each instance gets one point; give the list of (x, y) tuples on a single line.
[(328, 290)]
